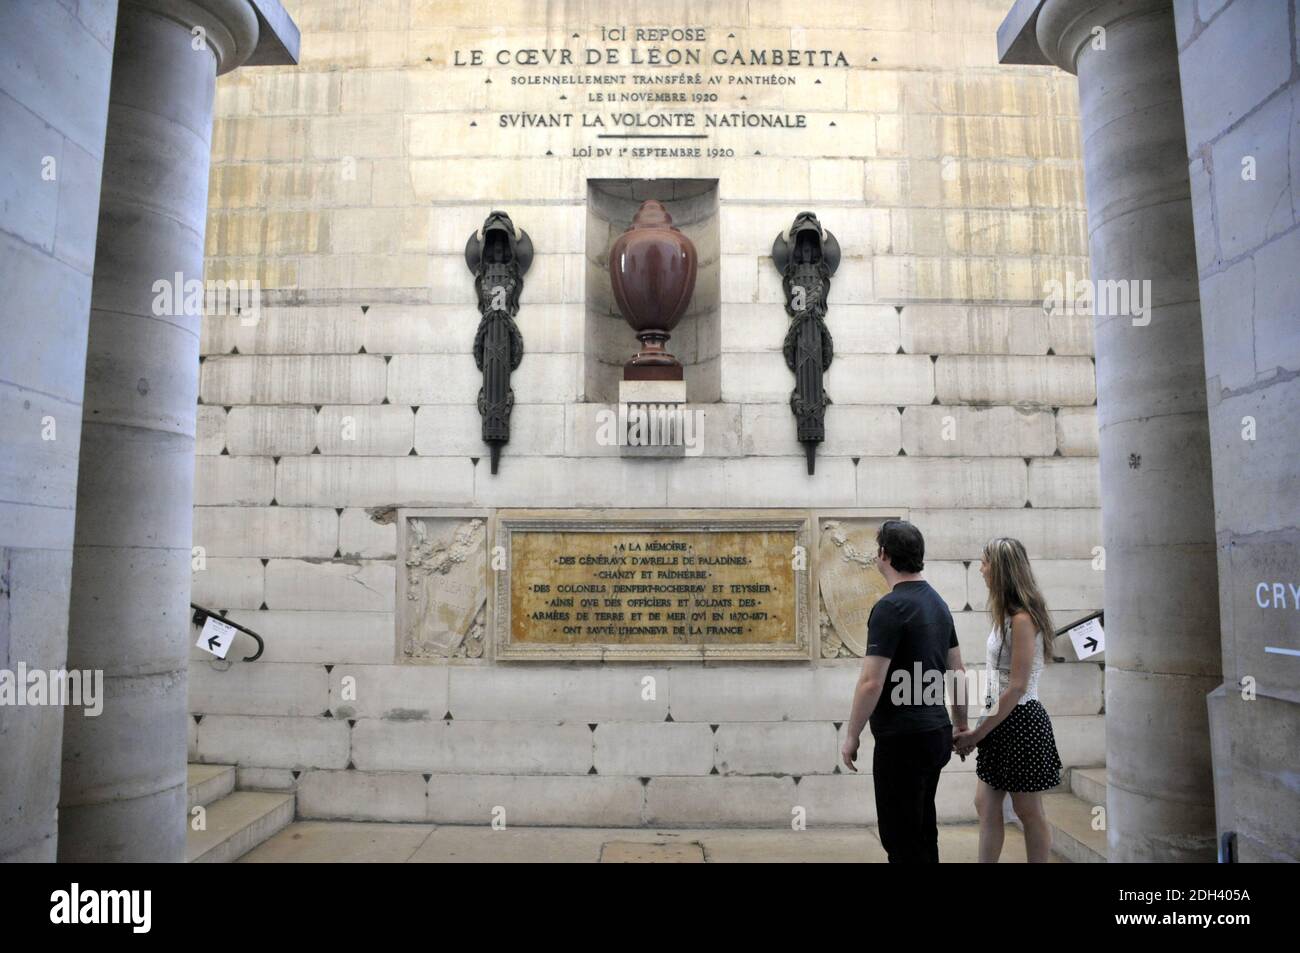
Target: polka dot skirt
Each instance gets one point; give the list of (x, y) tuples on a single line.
[(1020, 753)]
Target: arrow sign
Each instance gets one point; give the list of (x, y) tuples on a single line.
[(216, 637), (1088, 639)]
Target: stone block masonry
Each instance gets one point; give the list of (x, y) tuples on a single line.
[(615, 761), (349, 186)]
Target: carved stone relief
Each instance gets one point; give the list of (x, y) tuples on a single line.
[(445, 588)]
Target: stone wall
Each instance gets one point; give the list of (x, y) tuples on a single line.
[(55, 61), (348, 188), (1243, 145)]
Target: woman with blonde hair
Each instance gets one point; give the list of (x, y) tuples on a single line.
[(1015, 749)]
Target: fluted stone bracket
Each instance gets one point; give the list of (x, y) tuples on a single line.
[(807, 255), (498, 254)]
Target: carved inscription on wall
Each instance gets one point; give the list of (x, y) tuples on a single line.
[(649, 93), (686, 587)]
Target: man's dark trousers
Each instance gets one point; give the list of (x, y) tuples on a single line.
[(905, 771)]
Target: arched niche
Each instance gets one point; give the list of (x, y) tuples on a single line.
[(697, 339)]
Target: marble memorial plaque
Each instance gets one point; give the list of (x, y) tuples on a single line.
[(649, 587)]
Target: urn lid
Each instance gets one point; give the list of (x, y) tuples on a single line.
[(652, 214)]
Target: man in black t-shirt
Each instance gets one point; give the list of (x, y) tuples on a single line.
[(911, 644)]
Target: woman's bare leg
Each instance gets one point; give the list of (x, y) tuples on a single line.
[(988, 805), (1038, 833)]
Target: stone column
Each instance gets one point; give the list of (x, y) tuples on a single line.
[(1162, 652), (123, 795), (55, 70)]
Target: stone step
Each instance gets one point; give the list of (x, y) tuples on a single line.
[(1072, 835), (236, 824), (208, 782), (1089, 784)]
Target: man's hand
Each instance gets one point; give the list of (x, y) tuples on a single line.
[(850, 753)]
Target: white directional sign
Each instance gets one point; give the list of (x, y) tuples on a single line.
[(216, 636), (1088, 638)]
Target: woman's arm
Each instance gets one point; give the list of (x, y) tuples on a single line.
[(1022, 660)]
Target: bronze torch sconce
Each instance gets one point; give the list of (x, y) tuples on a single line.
[(807, 255), (498, 254)]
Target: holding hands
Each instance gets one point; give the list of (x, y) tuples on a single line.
[(965, 740)]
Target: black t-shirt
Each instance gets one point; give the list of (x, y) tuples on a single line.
[(911, 625)]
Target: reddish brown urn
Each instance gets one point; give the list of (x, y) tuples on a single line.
[(652, 268)]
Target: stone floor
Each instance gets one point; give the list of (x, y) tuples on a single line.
[(342, 841)]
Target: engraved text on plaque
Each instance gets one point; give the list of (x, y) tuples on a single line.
[(692, 587)]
